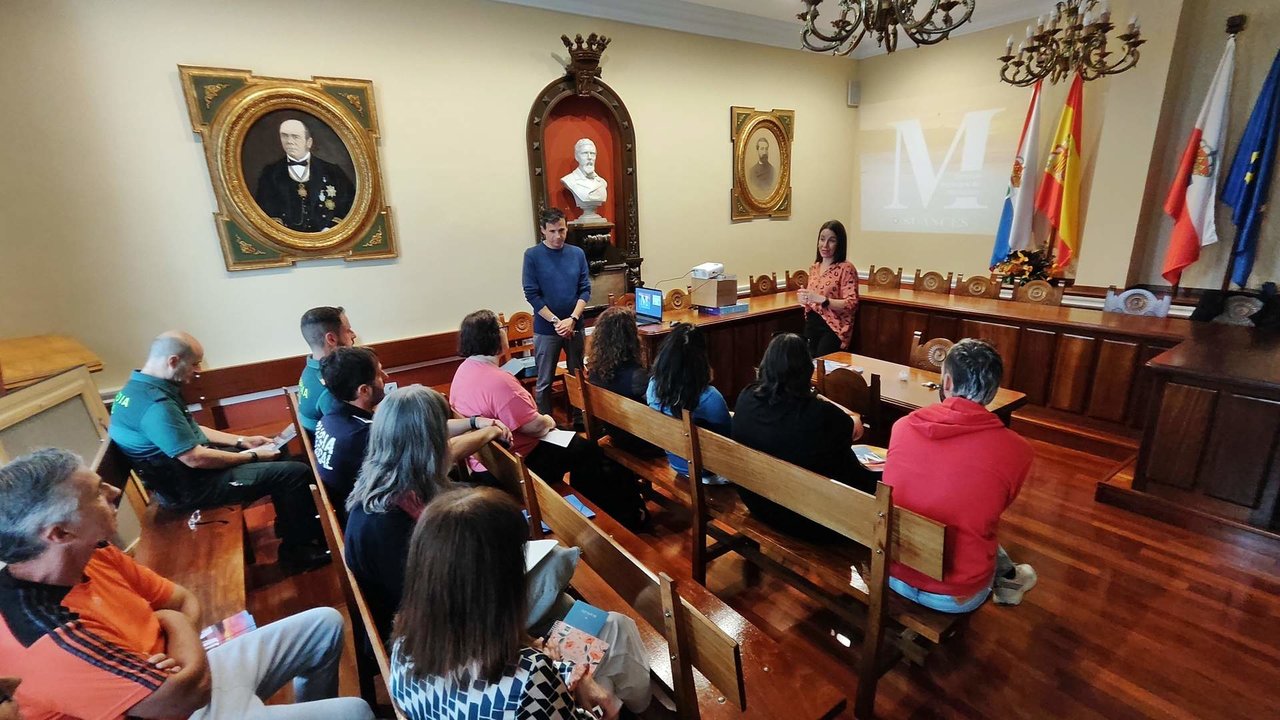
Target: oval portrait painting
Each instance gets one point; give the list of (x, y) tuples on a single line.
[(762, 163), (298, 171)]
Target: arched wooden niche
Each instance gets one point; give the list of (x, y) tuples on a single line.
[(575, 106)]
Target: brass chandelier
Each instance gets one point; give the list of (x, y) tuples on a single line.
[(1070, 38), (925, 22)]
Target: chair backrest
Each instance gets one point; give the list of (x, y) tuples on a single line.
[(693, 640), (621, 412), (928, 355), (1136, 301), (932, 282), (764, 284), (884, 279), (853, 391), (797, 280), (519, 335), (1038, 292), (676, 299), (113, 466), (977, 286)]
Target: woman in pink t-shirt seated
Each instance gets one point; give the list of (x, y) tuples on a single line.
[(481, 388)]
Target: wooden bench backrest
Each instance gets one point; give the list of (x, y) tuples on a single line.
[(512, 476), (694, 640), (624, 413), (357, 606)]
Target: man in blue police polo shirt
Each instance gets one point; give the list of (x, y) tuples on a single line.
[(354, 376), (185, 465), (325, 329)]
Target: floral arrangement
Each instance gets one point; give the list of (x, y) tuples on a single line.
[(1023, 266)]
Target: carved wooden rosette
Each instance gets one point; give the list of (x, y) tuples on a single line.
[(582, 79), (743, 124), (225, 104)]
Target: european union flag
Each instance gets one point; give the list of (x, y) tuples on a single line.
[(1250, 176)]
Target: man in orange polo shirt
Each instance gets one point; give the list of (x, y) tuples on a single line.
[(92, 634)]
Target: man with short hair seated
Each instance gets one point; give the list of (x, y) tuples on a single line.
[(957, 463), (325, 329), (353, 376), (183, 464), (92, 634)]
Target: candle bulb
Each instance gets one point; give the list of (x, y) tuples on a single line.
[(1088, 18), (1133, 20), (1106, 15), (1008, 46), (1029, 31)]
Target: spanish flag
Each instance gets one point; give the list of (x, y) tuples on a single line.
[(1058, 197)]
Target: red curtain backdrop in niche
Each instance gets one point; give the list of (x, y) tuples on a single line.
[(571, 119)]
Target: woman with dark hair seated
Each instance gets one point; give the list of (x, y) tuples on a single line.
[(405, 466), (682, 381), (481, 388), (780, 414), (459, 647), (614, 363)]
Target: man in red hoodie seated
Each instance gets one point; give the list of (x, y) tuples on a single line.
[(957, 463)]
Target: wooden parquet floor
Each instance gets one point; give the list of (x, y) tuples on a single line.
[(1131, 618)]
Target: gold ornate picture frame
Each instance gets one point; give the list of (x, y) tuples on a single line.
[(761, 163), (294, 166)]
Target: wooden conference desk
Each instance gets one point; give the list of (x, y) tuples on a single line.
[(1212, 440), (911, 394), (28, 360), (1083, 365)]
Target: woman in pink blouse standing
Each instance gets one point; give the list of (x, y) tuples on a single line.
[(832, 294)]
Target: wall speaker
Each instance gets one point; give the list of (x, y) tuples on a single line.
[(855, 93)]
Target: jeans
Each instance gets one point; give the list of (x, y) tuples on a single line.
[(546, 355), (950, 603), (179, 487), (305, 648)]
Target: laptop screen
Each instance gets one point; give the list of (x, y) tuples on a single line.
[(649, 303)]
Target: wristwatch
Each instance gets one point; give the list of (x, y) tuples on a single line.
[(826, 303), (474, 426), (240, 444)]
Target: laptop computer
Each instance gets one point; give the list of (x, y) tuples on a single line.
[(648, 306)]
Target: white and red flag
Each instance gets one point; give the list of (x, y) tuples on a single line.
[(1194, 195)]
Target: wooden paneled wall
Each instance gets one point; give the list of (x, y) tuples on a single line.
[(1069, 368)]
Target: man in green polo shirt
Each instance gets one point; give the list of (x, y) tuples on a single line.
[(325, 329), (188, 466)]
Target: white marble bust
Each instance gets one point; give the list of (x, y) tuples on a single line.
[(589, 189)]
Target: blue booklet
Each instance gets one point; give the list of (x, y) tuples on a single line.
[(587, 618), (587, 512)]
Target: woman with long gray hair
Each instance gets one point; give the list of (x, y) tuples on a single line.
[(406, 465)]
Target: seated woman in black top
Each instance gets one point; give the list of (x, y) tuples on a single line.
[(614, 364), (405, 466), (780, 414)]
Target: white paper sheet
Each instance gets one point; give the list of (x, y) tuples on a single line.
[(535, 551), (559, 437)]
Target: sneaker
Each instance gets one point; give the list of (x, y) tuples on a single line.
[(714, 480), (1009, 591)]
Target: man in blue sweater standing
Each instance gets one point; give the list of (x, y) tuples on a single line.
[(557, 285)]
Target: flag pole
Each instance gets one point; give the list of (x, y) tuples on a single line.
[(1235, 25)]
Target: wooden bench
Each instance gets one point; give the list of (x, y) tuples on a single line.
[(208, 559), (876, 531), (743, 671), (363, 626)]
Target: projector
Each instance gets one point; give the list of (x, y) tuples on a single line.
[(707, 271)]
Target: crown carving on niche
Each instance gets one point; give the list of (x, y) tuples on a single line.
[(585, 63)]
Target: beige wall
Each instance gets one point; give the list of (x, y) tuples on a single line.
[(107, 204), (962, 74), (1201, 39)]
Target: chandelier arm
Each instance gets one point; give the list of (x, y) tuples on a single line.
[(920, 31), (837, 37)]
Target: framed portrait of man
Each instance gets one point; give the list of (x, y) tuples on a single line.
[(294, 166), (761, 163)]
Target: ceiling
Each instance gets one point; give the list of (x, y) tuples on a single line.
[(765, 22)]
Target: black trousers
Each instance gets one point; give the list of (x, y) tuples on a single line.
[(614, 489), (821, 338), (182, 488)]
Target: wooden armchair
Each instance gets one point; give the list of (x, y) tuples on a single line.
[(932, 282), (929, 355), (764, 284), (853, 391), (677, 299), (884, 279), (797, 280), (1038, 292), (977, 286)]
